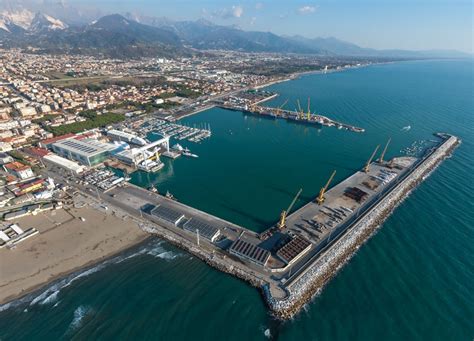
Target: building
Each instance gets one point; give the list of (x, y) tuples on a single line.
[(202, 228), (249, 251), (66, 164), (87, 152), (5, 158), (28, 111), (47, 143), (118, 135), (19, 170)]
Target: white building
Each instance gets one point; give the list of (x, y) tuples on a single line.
[(66, 164)]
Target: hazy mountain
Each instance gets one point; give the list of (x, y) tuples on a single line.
[(204, 35), (112, 35), (43, 22), (133, 31), (14, 21), (22, 20), (135, 36), (343, 48)]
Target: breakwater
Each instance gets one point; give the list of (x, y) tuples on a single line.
[(308, 284)]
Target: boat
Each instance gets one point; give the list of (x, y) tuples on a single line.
[(151, 166), (187, 152), (170, 196), (177, 147)]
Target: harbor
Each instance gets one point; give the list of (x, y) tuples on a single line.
[(177, 131), (294, 258)]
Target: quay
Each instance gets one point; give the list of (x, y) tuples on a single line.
[(292, 116), (292, 260)]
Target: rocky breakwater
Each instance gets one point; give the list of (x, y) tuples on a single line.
[(217, 260), (320, 272)]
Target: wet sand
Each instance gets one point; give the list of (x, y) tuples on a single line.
[(64, 245)]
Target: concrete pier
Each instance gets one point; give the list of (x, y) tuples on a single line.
[(293, 116)]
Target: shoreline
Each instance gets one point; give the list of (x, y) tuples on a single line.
[(37, 289), (124, 249), (64, 250), (281, 308), (290, 77)]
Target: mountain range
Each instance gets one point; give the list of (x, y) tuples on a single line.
[(131, 36), (22, 21)]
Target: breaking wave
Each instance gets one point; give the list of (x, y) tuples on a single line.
[(50, 294), (79, 314)]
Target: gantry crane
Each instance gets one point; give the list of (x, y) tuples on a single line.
[(278, 110), (384, 150), (320, 198), (367, 165), (283, 215)]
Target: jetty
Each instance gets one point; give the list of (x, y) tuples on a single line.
[(292, 260), (292, 116)]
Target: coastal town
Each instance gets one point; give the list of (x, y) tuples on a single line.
[(84, 117), (74, 130)]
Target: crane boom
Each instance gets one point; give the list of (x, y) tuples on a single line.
[(283, 215), (320, 198), (384, 150), (278, 109), (367, 165), (284, 103), (309, 111)]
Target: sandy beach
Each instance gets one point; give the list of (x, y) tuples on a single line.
[(65, 244)]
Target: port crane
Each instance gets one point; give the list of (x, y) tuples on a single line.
[(300, 110), (278, 110), (367, 165), (320, 198), (283, 215), (309, 111), (384, 150)]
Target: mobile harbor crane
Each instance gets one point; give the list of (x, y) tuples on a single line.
[(278, 110), (309, 111), (384, 150), (367, 165), (284, 214), (320, 198), (300, 110)]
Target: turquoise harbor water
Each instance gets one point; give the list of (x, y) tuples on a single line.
[(411, 281)]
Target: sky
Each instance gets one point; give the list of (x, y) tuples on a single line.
[(380, 24)]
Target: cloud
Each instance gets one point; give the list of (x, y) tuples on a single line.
[(253, 20), (227, 13), (237, 11), (307, 9), (258, 5)]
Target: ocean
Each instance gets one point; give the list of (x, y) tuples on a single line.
[(411, 281)]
